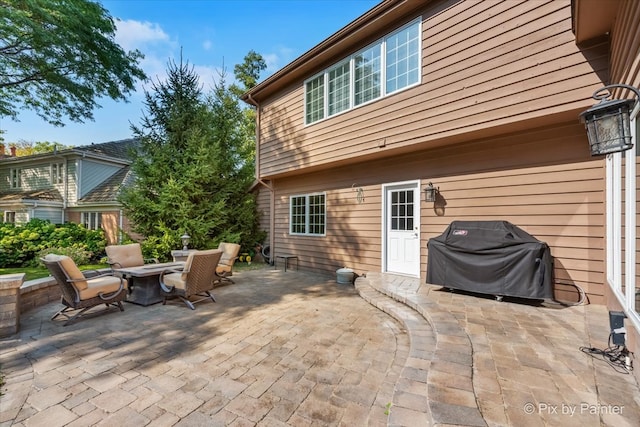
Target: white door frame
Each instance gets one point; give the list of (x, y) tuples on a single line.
[(385, 187)]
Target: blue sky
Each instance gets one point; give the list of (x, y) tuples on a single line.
[(212, 34)]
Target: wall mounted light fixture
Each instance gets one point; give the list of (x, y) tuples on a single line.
[(430, 193), (608, 122), (359, 193)]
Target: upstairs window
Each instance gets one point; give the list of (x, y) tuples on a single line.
[(368, 75), (403, 59), (307, 214), (387, 66), (57, 173), (16, 178), (339, 89), (314, 99)]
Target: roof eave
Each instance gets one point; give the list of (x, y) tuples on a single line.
[(342, 42)]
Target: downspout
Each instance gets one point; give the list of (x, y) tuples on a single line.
[(272, 196), (65, 192), (120, 226)]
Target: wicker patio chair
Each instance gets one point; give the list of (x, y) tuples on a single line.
[(229, 256), (124, 256), (196, 279), (81, 292)]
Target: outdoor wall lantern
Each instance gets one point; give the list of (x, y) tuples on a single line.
[(430, 193), (185, 241), (608, 122)]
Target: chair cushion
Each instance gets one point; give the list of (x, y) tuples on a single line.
[(229, 253), (104, 284), (53, 257), (222, 268), (73, 272), (125, 255), (175, 279)]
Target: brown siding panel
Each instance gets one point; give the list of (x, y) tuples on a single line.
[(513, 61), (542, 180)]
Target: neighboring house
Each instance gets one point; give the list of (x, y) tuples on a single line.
[(78, 185), (480, 98)]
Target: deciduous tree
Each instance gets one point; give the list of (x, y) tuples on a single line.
[(57, 57)]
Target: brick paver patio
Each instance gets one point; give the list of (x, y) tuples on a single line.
[(298, 349)]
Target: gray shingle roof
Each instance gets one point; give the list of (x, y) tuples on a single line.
[(108, 191), (118, 149), (49, 195)]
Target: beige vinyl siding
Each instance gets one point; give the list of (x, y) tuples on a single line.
[(625, 68), (72, 181), (34, 177), (543, 181), (625, 45), (486, 66), (561, 205), (263, 207), (52, 214)]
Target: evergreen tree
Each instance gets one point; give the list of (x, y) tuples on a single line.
[(191, 172)]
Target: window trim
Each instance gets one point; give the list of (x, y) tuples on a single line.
[(351, 60), (7, 214), (15, 178), (93, 216), (57, 173), (307, 196)]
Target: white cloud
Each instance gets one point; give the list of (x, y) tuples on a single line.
[(158, 48), (278, 59), (132, 34), (208, 76), (154, 43)]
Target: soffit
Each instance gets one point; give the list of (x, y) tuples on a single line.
[(593, 18)]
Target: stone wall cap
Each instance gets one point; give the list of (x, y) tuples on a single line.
[(10, 281)]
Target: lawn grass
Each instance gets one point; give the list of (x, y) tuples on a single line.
[(40, 272)]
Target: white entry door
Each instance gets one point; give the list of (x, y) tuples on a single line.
[(402, 233)]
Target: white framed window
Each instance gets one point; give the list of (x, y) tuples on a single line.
[(314, 99), (339, 88), (368, 75), (91, 220), (9, 217), (15, 178), (307, 214), (57, 173), (387, 66), (403, 58)]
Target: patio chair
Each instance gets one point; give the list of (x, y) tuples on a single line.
[(124, 256), (229, 256), (83, 291), (196, 279)]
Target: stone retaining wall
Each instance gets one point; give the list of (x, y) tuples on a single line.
[(36, 293), (18, 297), (10, 303)]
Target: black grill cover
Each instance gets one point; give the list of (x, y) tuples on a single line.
[(491, 257)]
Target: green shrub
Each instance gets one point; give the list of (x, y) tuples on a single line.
[(21, 245), (78, 255)]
